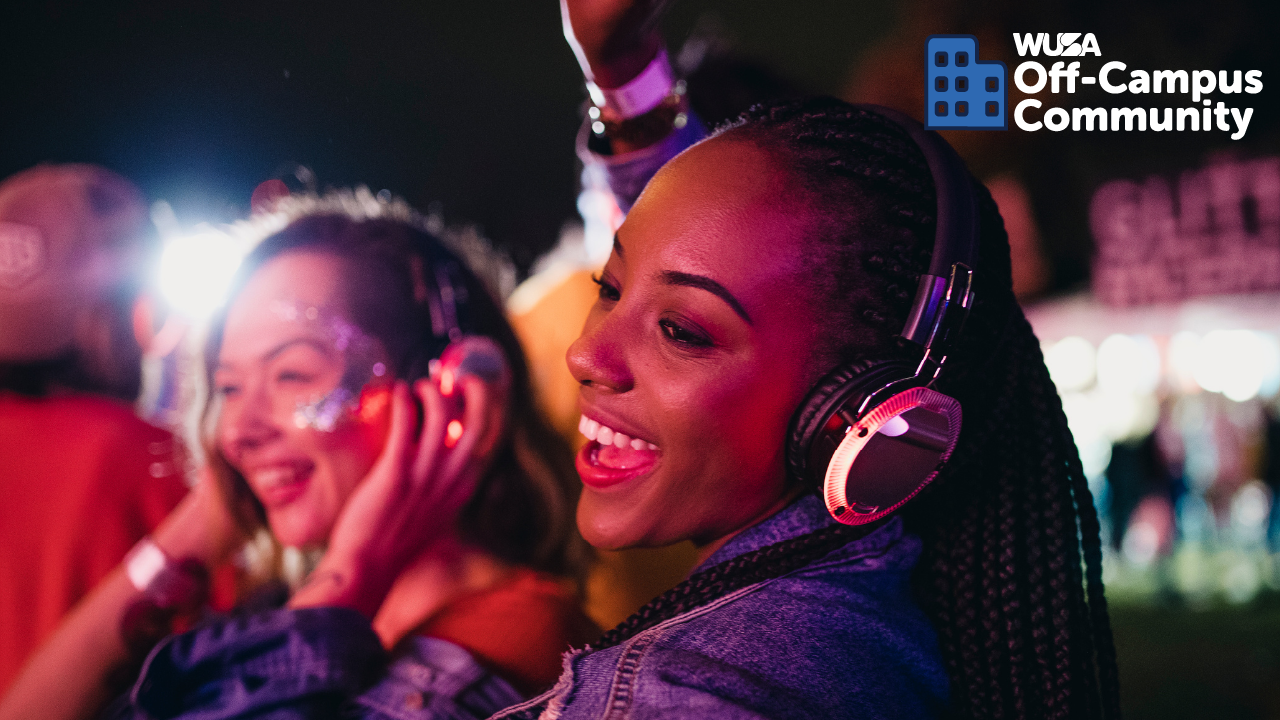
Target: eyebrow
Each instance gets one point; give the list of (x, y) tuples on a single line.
[(319, 346), (673, 277), (279, 350)]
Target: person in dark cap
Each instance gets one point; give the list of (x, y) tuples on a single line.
[(82, 478)]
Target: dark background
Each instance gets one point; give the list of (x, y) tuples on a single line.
[(474, 105)]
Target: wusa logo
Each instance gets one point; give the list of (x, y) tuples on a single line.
[(1067, 45), (962, 92)]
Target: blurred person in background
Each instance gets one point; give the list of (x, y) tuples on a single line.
[(346, 373), (82, 478)]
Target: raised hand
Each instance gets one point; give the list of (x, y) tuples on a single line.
[(613, 39), (201, 527), (411, 497)]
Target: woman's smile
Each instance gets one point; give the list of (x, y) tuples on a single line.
[(612, 456), (279, 484)]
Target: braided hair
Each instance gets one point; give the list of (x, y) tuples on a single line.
[(1009, 523)]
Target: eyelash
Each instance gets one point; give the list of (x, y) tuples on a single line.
[(608, 291), (681, 335), (674, 332), (293, 376)]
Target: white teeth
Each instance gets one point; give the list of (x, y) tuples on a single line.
[(605, 435), (274, 477), (588, 427)]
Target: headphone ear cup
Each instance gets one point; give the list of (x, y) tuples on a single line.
[(844, 386), (869, 465), (889, 454)]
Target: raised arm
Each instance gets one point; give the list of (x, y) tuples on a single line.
[(639, 117)]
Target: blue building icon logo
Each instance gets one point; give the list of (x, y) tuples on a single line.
[(962, 92)]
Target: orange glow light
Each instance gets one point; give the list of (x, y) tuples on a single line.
[(452, 433)]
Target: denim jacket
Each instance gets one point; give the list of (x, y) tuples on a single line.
[(313, 663), (839, 638)]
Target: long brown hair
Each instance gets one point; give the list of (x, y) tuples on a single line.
[(522, 510)]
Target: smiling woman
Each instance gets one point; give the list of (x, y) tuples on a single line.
[(283, 345), (712, 371), (788, 244), (370, 404)]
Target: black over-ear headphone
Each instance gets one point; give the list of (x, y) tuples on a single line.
[(876, 432), (440, 289)]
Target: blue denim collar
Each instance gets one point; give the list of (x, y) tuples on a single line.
[(801, 517)]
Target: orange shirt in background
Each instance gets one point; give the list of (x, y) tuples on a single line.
[(519, 629)]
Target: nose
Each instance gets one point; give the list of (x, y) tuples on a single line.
[(247, 421), (597, 358)]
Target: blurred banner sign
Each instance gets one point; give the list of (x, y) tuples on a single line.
[(1216, 233)]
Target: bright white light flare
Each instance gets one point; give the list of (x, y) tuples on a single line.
[(196, 271)]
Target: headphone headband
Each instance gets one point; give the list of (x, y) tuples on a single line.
[(441, 290), (955, 237), (877, 431)]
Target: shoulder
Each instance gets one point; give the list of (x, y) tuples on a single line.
[(518, 629), (74, 438), (839, 638)]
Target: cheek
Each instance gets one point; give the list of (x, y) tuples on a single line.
[(738, 416), (351, 451)]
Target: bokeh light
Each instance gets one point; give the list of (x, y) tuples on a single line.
[(1071, 363), (196, 271), (1128, 364)]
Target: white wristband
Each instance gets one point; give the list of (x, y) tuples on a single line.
[(144, 562), (642, 94)]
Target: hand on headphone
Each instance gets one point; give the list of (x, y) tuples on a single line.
[(426, 473)]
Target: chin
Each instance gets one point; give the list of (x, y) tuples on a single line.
[(297, 532), (605, 528)]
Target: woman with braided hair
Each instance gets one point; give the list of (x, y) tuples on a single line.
[(753, 263), (786, 244)]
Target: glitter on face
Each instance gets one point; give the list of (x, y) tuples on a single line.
[(323, 413), (327, 411)]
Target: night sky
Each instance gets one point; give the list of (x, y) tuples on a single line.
[(471, 105), (475, 105)]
